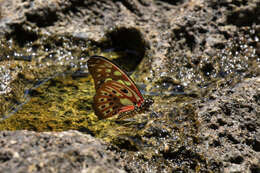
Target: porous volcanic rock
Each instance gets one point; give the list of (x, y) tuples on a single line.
[(230, 127), (71, 151)]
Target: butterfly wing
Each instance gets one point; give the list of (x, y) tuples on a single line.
[(115, 90), (113, 98)]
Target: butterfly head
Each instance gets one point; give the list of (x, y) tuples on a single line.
[(146, 104)]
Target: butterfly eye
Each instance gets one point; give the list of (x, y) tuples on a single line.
[(114, 91)]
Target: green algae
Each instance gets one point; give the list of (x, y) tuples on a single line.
[(58, 104), (61, 103)]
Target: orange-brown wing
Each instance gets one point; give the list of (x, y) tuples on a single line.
[(112, 98), (103, 70)]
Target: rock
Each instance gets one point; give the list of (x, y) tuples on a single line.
[(71, 151), (230, 127)]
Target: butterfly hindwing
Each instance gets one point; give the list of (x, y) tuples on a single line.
[(113, 98)]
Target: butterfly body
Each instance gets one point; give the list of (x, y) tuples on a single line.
[(116, 93)]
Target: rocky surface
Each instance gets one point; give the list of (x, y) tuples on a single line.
[(230, 127), (198, 59), (71, 151)]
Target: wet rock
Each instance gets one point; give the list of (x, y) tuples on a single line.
[(71, 151)]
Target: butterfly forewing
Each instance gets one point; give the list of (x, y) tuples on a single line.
[(115, 91), (103, 70)]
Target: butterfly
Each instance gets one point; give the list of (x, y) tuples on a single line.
[(116, 93)]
